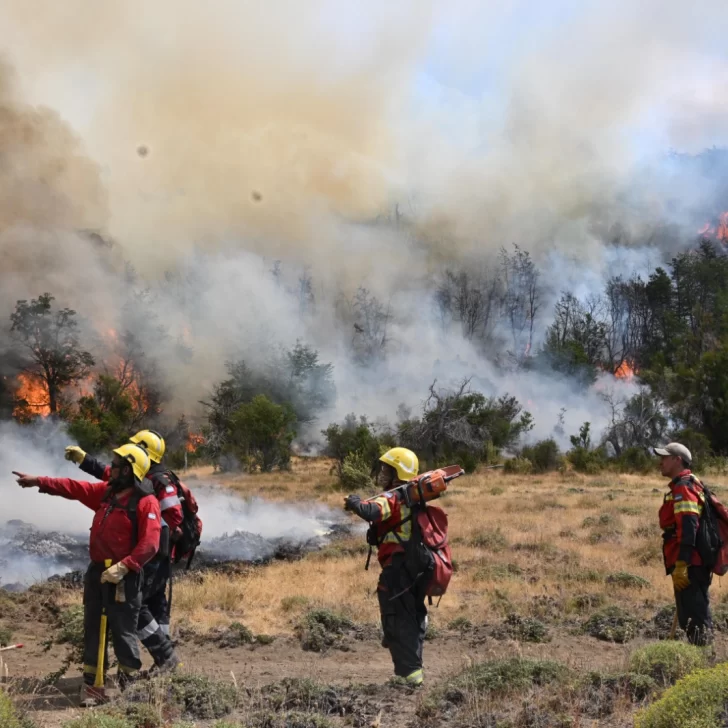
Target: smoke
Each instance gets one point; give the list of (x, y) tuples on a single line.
[(370, 146), (42, 535)]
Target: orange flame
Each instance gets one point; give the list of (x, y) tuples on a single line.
[(31, 394), (194, 440), (718, 231), (624, 371)]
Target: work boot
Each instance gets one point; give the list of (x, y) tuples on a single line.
[(92, 697), (168, 666), (124, 679), (416, 679)]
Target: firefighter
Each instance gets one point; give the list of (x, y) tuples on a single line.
[(679, 520), (401, 598), (125, 530), (154, 617)]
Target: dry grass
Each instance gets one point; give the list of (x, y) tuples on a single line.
[(541, 537)]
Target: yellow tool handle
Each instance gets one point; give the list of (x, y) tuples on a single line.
[(100, 657)]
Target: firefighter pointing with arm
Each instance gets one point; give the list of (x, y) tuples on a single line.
[(680, 516), (125, 533), (154, 619), (401, 603)]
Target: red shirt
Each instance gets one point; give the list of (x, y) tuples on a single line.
[(166, 492), (112, 530), (679, 519)]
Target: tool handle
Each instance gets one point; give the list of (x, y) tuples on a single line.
[(10, 647)]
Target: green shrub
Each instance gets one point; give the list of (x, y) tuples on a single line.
[(635, 460), (526, 629), (612, 624), (236, 635), (544, 456), (6, 635), (202, 697), (320, 629), (666, 662), (9, 717), (508, 676), (355, 475), (518, 466), (697, 701), (587, 461)]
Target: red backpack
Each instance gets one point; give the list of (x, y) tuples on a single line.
[(432, 525)]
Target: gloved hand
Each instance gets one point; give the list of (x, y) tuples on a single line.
[(25, 480), (114, 574), (680, 579), (75, 454), (351, 503)]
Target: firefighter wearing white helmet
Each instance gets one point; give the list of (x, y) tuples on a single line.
[(401, 605)]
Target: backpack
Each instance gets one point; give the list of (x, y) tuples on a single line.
[(427, 553), (712, 537), (141, 490), (191, 527)]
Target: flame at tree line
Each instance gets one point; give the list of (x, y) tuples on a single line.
[(624, 371), (718, 230), (31, 396)]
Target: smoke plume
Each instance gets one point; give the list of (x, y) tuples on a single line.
[(369, 145)]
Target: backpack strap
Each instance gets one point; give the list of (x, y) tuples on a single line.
[(140, 491)]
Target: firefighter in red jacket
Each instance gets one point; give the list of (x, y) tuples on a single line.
[(401, 598), (680, 516), (125, 530), (154, 618)]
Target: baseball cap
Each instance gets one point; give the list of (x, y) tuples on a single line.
[(674, 448)]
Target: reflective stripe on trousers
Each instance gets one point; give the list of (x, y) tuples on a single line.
[(149, 630)]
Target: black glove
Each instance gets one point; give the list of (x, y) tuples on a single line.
[(351, 503)]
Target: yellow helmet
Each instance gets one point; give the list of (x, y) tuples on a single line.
[(138, 458), (152, 442), (404, 461)]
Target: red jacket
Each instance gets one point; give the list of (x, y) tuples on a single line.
[(164, 489), (679, 520), (391, 511), (112, 529)]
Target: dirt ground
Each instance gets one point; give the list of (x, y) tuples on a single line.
[(366, 662)]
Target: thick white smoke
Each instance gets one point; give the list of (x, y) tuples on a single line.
[(374, 145)]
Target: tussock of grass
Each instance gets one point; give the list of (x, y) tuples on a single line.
[(612, 624), (625, 580), (321, 629), (667, 662)]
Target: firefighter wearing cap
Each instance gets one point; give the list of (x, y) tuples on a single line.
[(680, 516), (153, 628), (125, 531), (401, 603)]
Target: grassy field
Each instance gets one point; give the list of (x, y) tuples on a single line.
[(519, 544), (556, 618)]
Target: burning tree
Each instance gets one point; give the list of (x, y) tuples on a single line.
[(54, 354)]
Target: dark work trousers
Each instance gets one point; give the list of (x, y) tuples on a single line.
[(404, 618), (693, 606), (122, 618), (153, 626)]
